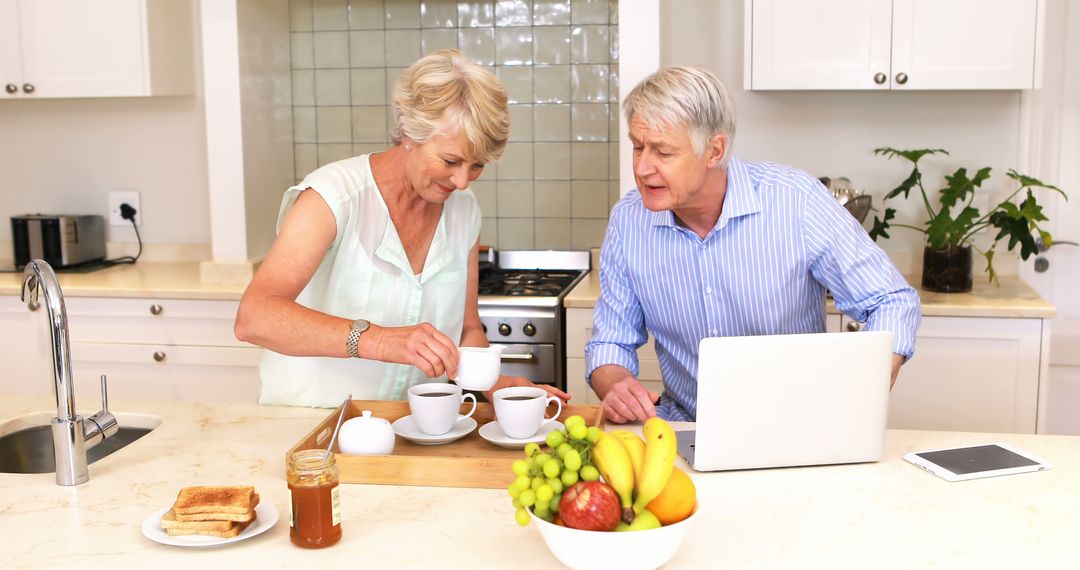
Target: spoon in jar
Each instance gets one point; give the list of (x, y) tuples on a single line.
[(337, 428)]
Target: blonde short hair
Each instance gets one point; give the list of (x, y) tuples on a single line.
[(685, 97), (443, 91)]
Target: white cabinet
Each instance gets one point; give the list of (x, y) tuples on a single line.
[(108, 48), (150, 349), (969, 374), (890, 44)]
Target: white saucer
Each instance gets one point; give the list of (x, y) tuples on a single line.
[(265, 517), (494, 433), (407, 428)]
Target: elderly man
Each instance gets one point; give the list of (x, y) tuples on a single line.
[(708, 245)]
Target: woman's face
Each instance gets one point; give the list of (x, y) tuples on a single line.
[(441, 165)]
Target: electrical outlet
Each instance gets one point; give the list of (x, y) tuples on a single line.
[(129, 198)]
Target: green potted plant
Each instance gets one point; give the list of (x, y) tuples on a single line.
[(953, 221)]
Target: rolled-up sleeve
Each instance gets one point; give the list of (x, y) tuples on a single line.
[(618, 321)]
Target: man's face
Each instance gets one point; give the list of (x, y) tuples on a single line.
[(668, 173)]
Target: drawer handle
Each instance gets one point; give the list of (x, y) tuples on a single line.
[(159, 356), (519, 357), (156, 309), (853, 326)]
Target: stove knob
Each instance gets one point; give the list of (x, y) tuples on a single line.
[(504, 329), (485, 327), (529, 329)]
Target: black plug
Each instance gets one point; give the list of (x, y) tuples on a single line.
[(127, 212)]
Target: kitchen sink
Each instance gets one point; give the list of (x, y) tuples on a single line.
[(26, 444)]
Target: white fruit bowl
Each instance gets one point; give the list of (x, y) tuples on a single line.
[(588, 549)]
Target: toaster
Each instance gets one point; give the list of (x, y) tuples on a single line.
[(59, 240)]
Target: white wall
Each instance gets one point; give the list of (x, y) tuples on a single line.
[(65, 155), (834, 133)]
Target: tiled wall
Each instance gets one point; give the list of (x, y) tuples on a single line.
[(558, 59)]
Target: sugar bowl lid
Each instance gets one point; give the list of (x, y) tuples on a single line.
[(366, 435)]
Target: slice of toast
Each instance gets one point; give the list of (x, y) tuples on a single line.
[(220, 516), (233, 529), (222, 500), (169, 522)]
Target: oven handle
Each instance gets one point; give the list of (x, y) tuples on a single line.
[(530, 357)]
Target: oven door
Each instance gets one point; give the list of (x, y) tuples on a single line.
[(533, 361)]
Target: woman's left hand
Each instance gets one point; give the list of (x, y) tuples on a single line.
[(505, 381)]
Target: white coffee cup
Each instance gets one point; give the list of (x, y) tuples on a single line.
[(435, 406), (478, 367), (521, 410)]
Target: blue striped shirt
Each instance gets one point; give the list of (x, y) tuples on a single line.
[(780, 241)]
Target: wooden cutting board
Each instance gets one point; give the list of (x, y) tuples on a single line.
[(468, 462)]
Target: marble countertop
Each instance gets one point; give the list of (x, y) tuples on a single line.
[(148, 280), (883, 515), (1013, 298)]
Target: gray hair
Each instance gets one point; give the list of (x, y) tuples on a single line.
[(690, 97)]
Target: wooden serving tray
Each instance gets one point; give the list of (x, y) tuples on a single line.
[(468, 462)]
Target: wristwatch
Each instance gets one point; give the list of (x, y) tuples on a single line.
[(355, 330)]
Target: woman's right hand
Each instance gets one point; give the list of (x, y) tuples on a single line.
[(422, 346)]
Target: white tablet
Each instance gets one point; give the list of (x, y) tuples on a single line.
[(974, 462)]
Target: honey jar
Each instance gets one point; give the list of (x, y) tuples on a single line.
[(315, 502)]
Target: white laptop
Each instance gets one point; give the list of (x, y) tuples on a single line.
[(788, 400)]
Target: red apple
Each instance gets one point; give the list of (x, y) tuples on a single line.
[(590, 505)]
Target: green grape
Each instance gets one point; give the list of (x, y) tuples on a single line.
[(513, 490), (568, 477), (593, 434), (531, 449), (540, 459), (589, 473), (527, 498), (555, 439), (578, 432), (522, 517), (521, 467), (544, 494), (562, 449), (517, 504), (536, 482), (572, 460), (550, 517), (556, 484), (555, 503), (552, 469), (522, 482), (573, 421), (541, 510)]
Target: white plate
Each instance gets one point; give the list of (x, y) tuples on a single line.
[(407, 428), (265, 517), (494, 433)]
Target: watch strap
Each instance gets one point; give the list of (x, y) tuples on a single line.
[(355, 330)]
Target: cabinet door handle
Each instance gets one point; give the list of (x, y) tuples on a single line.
[(880, 78), (853, 326), (28, 88), (11, 88), (156, 309), (159, 356), (519, 357), (901, 78)]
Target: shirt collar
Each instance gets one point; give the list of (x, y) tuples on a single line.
[(740, 199)]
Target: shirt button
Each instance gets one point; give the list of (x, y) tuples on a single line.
[(715, 332), (708, 289)]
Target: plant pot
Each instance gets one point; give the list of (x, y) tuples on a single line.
[(947, 270)]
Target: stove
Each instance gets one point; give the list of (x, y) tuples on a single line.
[(520, 301)]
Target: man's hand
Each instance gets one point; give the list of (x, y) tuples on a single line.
[(624, 398), (897, 361)]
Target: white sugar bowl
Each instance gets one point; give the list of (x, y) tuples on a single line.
[(366, 435)]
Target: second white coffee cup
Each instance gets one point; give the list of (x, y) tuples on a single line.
[(521, 410), (435, 406)]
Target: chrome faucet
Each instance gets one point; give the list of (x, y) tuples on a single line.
[(72, 435)]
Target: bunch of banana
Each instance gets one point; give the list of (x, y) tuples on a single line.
[(638, 470)]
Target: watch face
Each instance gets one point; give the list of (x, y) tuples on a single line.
[(360, 325)]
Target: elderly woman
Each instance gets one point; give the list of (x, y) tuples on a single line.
[(371, 283)]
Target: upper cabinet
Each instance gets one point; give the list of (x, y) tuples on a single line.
[(106, 48), (890, 44)]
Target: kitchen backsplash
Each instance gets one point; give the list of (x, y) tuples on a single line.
[(556, 182)]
